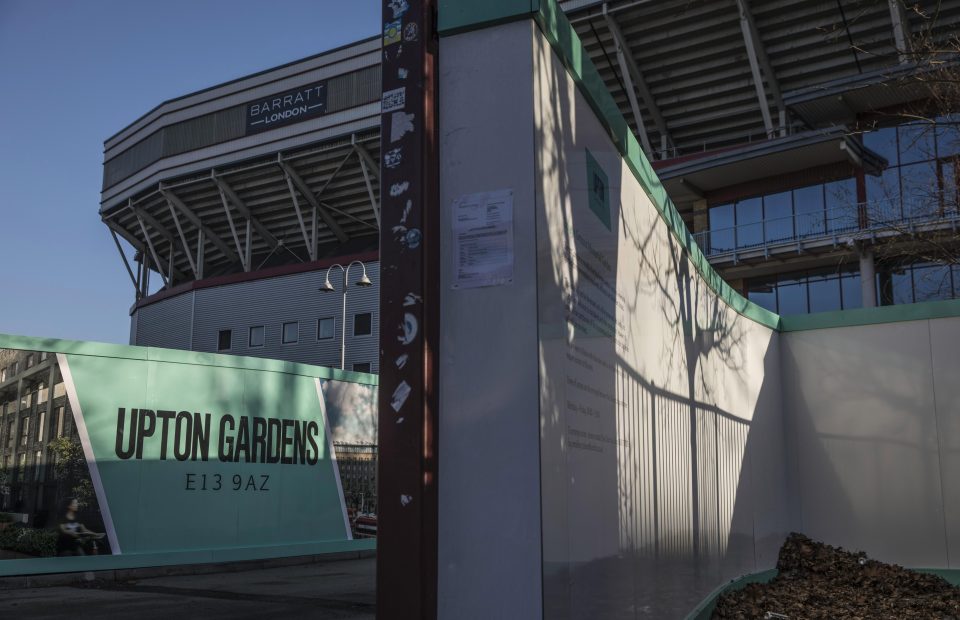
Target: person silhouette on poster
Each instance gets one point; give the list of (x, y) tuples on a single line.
[(74, 535)]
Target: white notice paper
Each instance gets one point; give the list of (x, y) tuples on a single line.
[(483, 239)]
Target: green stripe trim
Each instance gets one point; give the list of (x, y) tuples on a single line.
[(704, 610), (40, 566), (176, 356), (872, 316)]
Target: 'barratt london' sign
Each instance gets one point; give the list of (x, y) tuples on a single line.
[(289, 107)]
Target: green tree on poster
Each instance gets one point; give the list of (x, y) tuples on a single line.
[(70, 470)]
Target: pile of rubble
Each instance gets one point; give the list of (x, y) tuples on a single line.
[(819, 581)]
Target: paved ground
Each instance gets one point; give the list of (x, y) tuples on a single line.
[(336, 589)]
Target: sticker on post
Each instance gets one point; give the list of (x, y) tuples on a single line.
[(392, 32), (400, 396), (399, 7), (483, 239), (392, 53), (398, 188), (402, 360), (412, 299), (408, 329), (401, 124), (413, 238), (406, 211), (405, 499), (402, 73), (394, 99), (392, 158), (410, 32)]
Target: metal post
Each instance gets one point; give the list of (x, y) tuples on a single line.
[(868, 280), (343, 323)]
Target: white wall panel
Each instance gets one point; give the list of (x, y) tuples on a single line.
[(864, 420), (489, 530)]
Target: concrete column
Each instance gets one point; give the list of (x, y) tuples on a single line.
[(701, 219), (868, 279)]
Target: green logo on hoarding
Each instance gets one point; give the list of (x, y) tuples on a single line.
[(598, 190)]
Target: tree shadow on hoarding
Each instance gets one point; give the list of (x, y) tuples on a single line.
[(662, 443)]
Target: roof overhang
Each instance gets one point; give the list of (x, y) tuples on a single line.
[(691, 179), (843, 100)]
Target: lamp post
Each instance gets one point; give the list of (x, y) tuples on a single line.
[(328, 288)]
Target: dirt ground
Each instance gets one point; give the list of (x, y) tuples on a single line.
[(817, 581)]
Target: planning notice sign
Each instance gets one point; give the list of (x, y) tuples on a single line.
[(483, 239)]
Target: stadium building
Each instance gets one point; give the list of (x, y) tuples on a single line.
[(806, 145), (241, 199)]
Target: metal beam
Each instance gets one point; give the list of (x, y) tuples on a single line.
[(365, 156), (183, 240), (748, 38), (200, 254), (123, 256), (767, 67), (901, 31), (153, 250), (233, 229), (161, 230), (335, 172), (311, 198), (633, 79), (303, 228), (244, 210), (195, 220), (373, 199)]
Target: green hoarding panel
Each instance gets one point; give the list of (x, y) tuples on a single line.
[(124, 451)]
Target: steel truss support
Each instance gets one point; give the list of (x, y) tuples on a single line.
[(757, 55), (633, 81), (901, 31), (244, 210), (233, 231), (153, 250), (123, 257), (366, 179), (311, 246), (195, 220), (183, 240), (294, 179), (145, 218)]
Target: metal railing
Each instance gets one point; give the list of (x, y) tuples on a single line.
[(848, 220)]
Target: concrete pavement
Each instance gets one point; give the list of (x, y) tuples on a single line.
[(336, 589)]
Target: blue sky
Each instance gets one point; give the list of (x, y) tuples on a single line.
[(72, 73)]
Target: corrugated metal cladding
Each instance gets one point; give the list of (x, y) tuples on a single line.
[(343, 91), (270, 303), (351, 89), (165, 324)]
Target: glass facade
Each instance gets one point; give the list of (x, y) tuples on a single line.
[(825, 290), (801, 213), (920, 180), (807, 291)]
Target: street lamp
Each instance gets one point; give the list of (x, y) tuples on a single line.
[(328, 288)]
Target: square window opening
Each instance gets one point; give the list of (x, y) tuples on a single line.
[(225, 340), (291, 332), (325, 328), (257, 333), (362, 324)]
